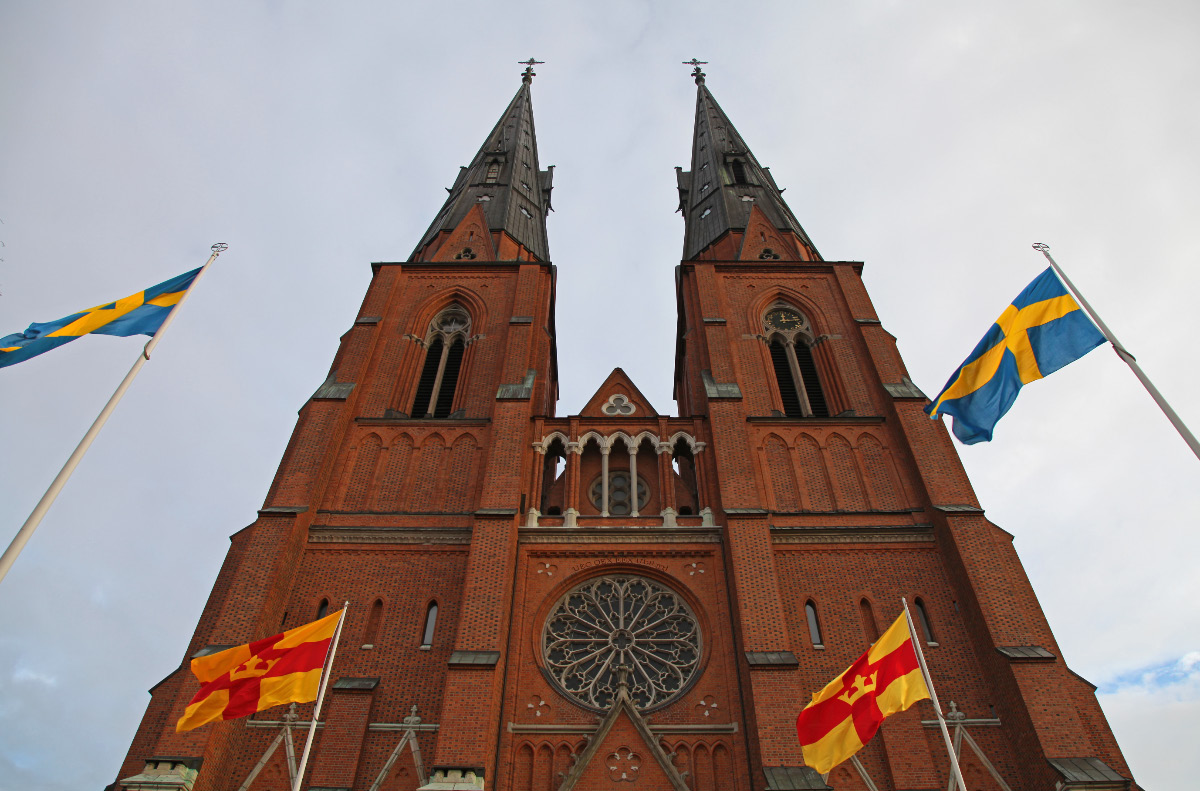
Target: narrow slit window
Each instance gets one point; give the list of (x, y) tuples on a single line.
[(430, 625), (868, 619), (323, 608), (814, 626), (923, 617), (372, 630)]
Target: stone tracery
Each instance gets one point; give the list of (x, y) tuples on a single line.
[(621, 620)]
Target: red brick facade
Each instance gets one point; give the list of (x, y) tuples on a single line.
[(747, 515)]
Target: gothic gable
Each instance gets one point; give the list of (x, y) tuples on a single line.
[(763, 241), (623, 750), (618, 397), (470, 240)]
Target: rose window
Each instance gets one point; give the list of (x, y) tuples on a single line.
[(621, 621)]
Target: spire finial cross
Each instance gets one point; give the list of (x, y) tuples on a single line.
[(696, 72), (529, 73)]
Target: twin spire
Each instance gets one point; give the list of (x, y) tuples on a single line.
[(732, 208)]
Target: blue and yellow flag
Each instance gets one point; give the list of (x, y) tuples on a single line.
[(140, 314), (1041, 331)]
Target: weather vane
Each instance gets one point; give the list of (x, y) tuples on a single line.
[(529, 73), (696, 64)]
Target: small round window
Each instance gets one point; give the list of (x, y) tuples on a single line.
[(619, 498)]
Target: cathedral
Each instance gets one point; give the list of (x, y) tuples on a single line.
[(624, 598)]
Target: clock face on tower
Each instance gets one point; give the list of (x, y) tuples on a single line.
[(783, 319)]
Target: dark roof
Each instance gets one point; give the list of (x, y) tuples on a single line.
[(1019, 652), (709, 186), (518, 183), (1086, 771), (793, 778)]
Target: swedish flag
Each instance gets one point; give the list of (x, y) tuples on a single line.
[(139, 314), (1041, 331)]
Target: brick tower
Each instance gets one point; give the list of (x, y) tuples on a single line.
[(622, 598)]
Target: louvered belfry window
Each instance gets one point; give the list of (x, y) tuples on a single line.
[(449, 334), (789, 337)]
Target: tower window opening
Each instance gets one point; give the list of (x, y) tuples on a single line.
[(739, 171), (705, 213), (493, 172), (923, 617), (446, 345), (430, 625), (787, 334), (465, 253), (783, 378), (526, 213), (768, 254), (814, 626), (323, 608)]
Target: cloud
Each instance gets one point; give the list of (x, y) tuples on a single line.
[(1155, 710), (1179, 678), (24, 675)]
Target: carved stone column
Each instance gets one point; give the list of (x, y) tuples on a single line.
[(604, 480)]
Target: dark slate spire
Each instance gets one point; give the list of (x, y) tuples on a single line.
[(725, 183), (504, 181)]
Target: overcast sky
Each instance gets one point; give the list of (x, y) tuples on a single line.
[(933, 140)]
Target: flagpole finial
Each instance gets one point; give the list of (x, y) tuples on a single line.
[(219, 248), (1041, 246)]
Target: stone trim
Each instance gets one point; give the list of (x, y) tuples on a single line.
[(959, 509), (474, 658), (904, 389), (518, 392), (521, 320), (325, 534), (333, 390), (920, 534), (619, 535), (765, 659), (794, 778), (714, 389), (282, 510), (1026, 653), (365, 684), (368, 320), (715, 727)]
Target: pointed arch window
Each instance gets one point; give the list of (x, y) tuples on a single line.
[(493, 172), (431, 614), (814, 626), (445, 344), (923, 617), (790, 337), (322, 609)]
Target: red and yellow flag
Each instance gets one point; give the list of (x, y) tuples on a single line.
[(285, 668), (845, 715)]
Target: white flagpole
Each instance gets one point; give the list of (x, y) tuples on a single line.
[(937, 707), (325, 671), (39, 511), (1129, 359)]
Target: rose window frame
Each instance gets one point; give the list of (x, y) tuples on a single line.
[(622, 620)]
